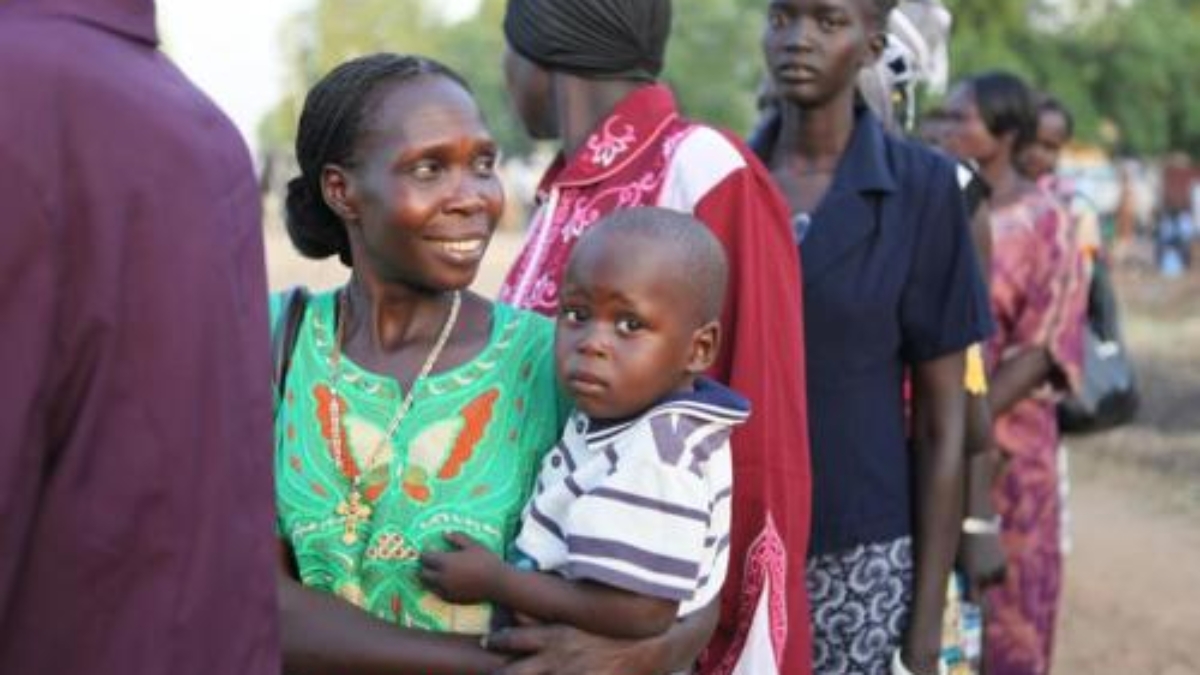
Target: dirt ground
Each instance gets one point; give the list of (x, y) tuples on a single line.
[(1132, 600)]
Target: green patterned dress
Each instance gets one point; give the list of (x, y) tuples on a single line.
[(464, 458)]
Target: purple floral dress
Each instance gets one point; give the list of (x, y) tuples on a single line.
[(1039, 294)]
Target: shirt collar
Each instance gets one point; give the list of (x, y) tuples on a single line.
[(864, 165), (617, 140), (705, 392), (133, 19)]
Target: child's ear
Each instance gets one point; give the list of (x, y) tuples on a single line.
[(706, 342), (337, 189)]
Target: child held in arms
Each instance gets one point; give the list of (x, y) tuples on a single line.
[(628, 526)]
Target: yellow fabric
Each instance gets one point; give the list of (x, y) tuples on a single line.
[(975, 378)]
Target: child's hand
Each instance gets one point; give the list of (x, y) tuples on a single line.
[(466, 574)]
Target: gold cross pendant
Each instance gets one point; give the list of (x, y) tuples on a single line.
[(354, 512)]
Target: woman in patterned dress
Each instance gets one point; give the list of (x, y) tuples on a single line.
[(411, 407), (1038, 295)]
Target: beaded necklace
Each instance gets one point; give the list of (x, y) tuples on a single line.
[(353, 508)]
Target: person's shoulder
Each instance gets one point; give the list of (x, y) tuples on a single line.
[(30, 34), (279, 301), (33, 64), (31, 51), (704, 158), (708, 401), (711, 144), (914, 162), (504, 312), (1046, 208)]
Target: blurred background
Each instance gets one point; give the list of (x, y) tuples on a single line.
[(1125, 68)]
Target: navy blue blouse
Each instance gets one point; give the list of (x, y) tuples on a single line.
[(890, 280)]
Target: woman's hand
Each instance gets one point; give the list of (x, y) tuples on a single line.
[(466, 574), (562, 650), (980, 552)]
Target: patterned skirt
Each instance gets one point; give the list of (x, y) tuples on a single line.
[(1022, 612), (860, 602)]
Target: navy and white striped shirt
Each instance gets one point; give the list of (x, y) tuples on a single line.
[(643, 504)]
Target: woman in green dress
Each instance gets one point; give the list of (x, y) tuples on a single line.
[(411, 407)]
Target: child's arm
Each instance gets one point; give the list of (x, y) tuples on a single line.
[(470, 573)]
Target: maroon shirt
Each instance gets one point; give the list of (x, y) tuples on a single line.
[(135, 421)]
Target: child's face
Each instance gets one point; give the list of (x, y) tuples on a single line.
[(627, 332)]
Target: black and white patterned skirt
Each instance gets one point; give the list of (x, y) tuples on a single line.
[(860, 602)]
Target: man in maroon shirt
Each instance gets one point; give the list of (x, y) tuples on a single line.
[(135, 423)]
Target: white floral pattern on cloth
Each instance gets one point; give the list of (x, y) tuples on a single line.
[(575, 212), (621, 164), (859, 601), (611, 142), (763, 597), (583, 213)]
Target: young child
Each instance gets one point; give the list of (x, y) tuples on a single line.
[(628, 527)]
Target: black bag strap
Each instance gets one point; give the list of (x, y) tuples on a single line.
[(285, 332)]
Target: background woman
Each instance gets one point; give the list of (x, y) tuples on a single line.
[(411, 407), (890, 282), (1038, 298)]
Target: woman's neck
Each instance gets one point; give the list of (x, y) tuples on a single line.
[(389, 316), (812, 140), (1001, 175), (582, 104)]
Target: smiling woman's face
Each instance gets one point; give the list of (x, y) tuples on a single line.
[(423, 186)]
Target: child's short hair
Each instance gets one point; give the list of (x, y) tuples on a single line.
[(676, 244)]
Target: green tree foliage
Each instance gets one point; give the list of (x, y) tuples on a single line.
[(1127, 66), (333, 31), (714, 59), (475, 48), (1149, 85)]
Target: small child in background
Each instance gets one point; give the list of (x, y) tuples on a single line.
[(628, 528)]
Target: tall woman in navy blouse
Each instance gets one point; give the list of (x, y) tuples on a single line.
[(891, 284)]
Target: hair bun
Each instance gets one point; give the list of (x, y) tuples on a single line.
[(314, 229)]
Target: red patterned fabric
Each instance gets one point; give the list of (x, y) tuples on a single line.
[(645, 154)]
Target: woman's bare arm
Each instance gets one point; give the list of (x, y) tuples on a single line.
[(939, 414), (1017, 376)]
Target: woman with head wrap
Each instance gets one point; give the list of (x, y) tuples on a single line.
[(583, 72)]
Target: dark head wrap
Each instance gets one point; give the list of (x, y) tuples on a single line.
[(609, 39)]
